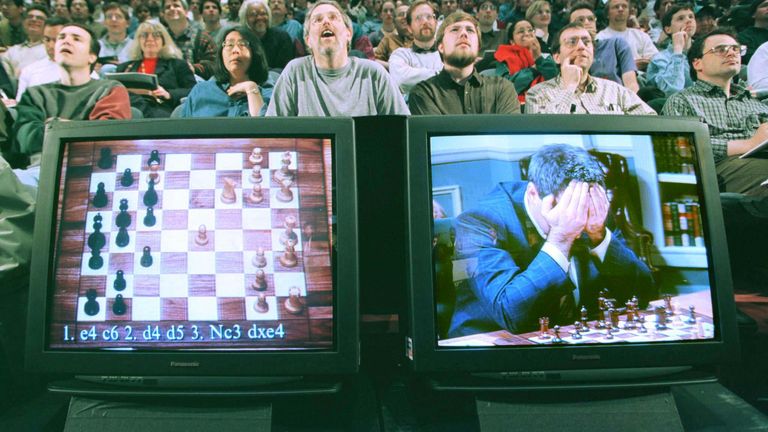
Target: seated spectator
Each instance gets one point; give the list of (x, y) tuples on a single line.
[(153, 52), (212, 19), (575, 91), (737, 122), (400, 39), (20, 56), (410, 66), (114, 45), (522, 61), (232, 17), (757, 34), (669, 70), (75, 97), (197, 47), (459, 88), (539, 14), (641, 44), (329, 82), (656, 31), (238, 88), (12, 25), (277, 44), (387, 23), (613, 56), (281, 20), (706, 21), (372, 22), (60, 9), (81, 12), (490, 38), (45, 70)]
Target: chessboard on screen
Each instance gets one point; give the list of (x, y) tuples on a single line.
[(634, 270), (194, 243)]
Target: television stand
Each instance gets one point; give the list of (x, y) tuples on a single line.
[(87, 414)]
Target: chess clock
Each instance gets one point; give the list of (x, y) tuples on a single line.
[(196, 250)]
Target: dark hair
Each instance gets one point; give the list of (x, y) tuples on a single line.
[(511, 28), (114, 5), (555, 44), (553, 166), (707, 11), (753, 7), (258, 70), (416, 4), (666, 21), (94, 47), (579, 6), (18, 3), (696, 51), (657, 6), (38, 7), (215, 2), (91, 7), (56, 21)]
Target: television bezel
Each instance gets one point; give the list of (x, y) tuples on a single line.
[(422, 342), (341, 359)]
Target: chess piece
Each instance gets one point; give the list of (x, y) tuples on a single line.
[(150, 220), (118, 307), (123, 219), (256, 157), (608, 330), (146, 257), (584, 319), (100, 199), (91, 306), (308, 231), (289, 259), (105, 161), (284, 173), (668, 309), (228, 195), (97, 240), (150, 196), (154, 157), (260, 281), (127, 179), (96, 261), (259, 260), (576, 333), (154, 172), (613, 314), (557, 339), (285, 194), (256, 174), (691, 315), (261, 305), (293, 303), (544, 328), (661, 317), (202, 236), (122, 238), (641, 324), (119, 283), (288, 234), (256, 196)]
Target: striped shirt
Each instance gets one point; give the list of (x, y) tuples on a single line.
[(729, 118), (599, 96)]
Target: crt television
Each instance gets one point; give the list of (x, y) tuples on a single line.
[(215, 254), (491, 305)]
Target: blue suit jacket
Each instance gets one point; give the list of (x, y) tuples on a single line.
[(511, 283)]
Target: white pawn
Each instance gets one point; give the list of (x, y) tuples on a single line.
[(256, 157), (256, 196), (256, 174), (202, 236)]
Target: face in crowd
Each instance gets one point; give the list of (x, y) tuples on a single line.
[(72, 49), (423, 23), (328, 32), (460, 45)]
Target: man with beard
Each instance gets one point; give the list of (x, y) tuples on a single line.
[(575, 91), (459, 88), (410, 66), (329, 82), (399, 39), (277, 44)]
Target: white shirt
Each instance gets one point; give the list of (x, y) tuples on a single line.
[(409, 68), (757, 69), (22, 55), (641, 44), (43, 71)]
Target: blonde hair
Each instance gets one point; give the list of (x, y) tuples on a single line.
[(535, 8), (169, 49)]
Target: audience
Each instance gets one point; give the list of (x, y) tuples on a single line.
[(12, 25), (757, 71), (282, 21), (490, 38), (757, 34), (539, 14), (409, 66), (387, 26), (402, 37), (21, 55), (239, 87), (60, 9), (669, 70), (45, 70), (641, 44), (81, 12), (196, 46), (737, 122), (575, 91), (329, 82), (114, 45), (459, 88), (706, 21), (277, 44), (212, 19)]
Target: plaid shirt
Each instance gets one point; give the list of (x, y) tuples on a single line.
[(729, 118), (599, 97), (198, 48)]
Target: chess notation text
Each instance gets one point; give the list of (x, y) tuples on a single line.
[(156, 333)]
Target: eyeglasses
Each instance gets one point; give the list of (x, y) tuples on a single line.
[(574, 41), (256, 13), (723, 50), (402, 14), (241, 44), (155, 34), (425, 17), (487, 7)]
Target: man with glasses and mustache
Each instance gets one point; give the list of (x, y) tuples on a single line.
[(410, 66), (20, 56), (575, 91), (459, 88), (737, 122), (330, 83)]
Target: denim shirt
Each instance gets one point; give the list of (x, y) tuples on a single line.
[(210, 99)]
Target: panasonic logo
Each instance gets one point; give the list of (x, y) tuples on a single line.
[(579, 357), (185, 364)]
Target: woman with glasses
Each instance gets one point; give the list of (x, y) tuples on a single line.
[(241, 85), (522, 61), (154, 52)]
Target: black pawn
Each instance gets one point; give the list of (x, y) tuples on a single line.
[(123, 219), (96, 261), (127, 179), (146, 257), (105, 162), (150, 219), (119, 284), (150, 197), (96, 240), (91, 306), (100, 199), (118, 307), (154, 157), (122, 238)]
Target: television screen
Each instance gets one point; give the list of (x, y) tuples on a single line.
[(555, 244), (214, 243)]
